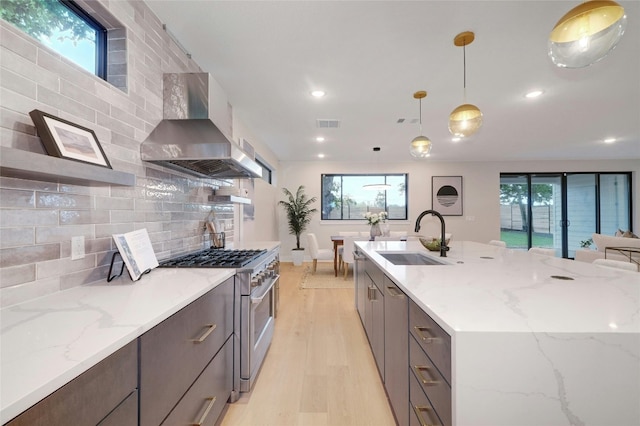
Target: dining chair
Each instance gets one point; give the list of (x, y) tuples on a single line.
[(543, 251), (618, 264), (347, 255), (316, 252), (398, 234), (341, 248), (497, 243), (349, 233)]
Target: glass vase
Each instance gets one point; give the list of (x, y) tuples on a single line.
[(375, 231)]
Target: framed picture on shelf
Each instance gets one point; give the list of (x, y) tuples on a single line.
[(64, 139), (446, 195)]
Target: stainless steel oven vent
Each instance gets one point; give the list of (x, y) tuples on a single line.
[(188, 140)]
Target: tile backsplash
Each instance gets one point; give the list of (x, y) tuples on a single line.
[(38, 219)]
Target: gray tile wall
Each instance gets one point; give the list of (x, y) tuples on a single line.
[(38, 219)]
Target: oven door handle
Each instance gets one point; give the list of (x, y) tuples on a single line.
[(258, 299)]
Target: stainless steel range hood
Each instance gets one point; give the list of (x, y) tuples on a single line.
[(189, 138)]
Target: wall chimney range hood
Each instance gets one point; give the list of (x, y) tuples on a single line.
[(190, 138)]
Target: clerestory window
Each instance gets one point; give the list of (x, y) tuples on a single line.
[(64, 27)]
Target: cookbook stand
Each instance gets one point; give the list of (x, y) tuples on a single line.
[(112, 277)]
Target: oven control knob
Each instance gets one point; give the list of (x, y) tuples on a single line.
[(255, 282)]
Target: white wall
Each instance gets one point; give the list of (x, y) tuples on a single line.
[(481, 194), (257, 222)]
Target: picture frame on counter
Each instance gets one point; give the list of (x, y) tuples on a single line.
[(64, 139), (446, 195)]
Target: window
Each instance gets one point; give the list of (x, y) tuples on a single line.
[(559, 210), (267, 171), (344, 198), (64, 27)]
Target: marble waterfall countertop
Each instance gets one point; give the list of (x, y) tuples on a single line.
[(49, 341), (528, 348)]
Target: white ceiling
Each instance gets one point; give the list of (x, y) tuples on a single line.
[(371, 56)]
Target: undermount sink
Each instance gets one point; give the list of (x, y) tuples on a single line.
[(409, 258)]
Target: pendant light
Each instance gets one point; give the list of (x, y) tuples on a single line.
[(421, 145), (586, 34), (466, 119), (376, 186)]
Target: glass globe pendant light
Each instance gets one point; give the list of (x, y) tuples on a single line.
[(586, 34), (466, 119), (421, 145)]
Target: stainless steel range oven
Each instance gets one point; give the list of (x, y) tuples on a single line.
[(255, 304)]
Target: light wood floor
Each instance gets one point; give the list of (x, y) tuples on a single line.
[(319, 369)]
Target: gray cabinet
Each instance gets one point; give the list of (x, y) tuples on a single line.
[(176, 352), (374, 313), (108, 387), (430, 365), (396, 350), (205, 400), (360, 284)]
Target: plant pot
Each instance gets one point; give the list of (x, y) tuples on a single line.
[(297, 256)]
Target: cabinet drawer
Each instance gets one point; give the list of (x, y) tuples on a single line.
[(175, 352), (421, 412), (433, 339), (430, 382), (376, 274), (206, 399), (87, 399), (125, 415)]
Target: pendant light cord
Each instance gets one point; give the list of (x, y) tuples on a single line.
[(420, 116), (464, 73)]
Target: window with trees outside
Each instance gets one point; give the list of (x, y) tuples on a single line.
[(562, 210), (344, 198), (64, 27)]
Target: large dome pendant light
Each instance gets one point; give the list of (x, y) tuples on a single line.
[(586, 34), (421, 145), (466, 119)]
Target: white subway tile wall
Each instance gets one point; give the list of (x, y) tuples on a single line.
[(38, 219)]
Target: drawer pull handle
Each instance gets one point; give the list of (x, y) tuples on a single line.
[(427, 382), (418, 409), (212, 401), (419, 331), (394, 292), (210, 328)]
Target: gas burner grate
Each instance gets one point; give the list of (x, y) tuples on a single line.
[(213, 258)]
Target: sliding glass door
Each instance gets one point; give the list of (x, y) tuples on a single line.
[(582, 208), (560, 210)]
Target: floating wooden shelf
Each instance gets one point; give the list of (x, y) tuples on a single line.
[(29, 165)]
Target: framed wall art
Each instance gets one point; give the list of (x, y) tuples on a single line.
[(446, 195), (64, 139)]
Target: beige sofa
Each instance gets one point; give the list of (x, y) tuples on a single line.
[(601, 241)]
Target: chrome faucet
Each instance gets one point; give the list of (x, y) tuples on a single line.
[(443, 241)]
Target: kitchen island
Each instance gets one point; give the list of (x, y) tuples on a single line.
[(534, 339), (48, 342)]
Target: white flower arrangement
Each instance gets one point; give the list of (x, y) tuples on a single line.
[(374, 218)]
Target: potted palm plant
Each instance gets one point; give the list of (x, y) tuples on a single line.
[(299, 212)]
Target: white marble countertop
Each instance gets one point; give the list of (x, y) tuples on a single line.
[(47, 342), (528, 349), (504, 290)]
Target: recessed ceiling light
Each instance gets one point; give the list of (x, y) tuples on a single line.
[(455, 139), (319, 139), (534, 94), (320, 155), (609, 140), (318, 93)]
